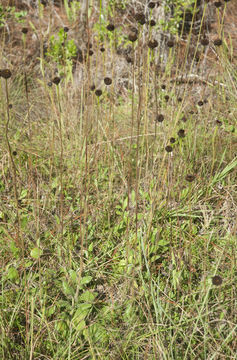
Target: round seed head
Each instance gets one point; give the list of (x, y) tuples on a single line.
[(5, 73), (180, 99), (110, 27), (102, 49), (10, 106), (169, 148), (108, 81), (91, 52), (163, 86), (172, 140), (166, 97), (181, 133), (200, 103), (190, 178), (160, 118), (152, 22), (217, 42), (56, 80), (151, 5), (217, 280), (24, 30), (140, 18), (217, 4), (66, 29), (14, 153), (152, 44), (98, 92), (132, 37)]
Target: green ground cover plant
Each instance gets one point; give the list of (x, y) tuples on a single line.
[(118, 188)]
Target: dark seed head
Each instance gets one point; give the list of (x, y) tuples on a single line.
[(181, 133), (166, 97), (140, 18), (110, 27), (180, 99), (56, 80), (217, 280), (172, 140), (91, 52), (218, 122), (14, 153), (217, 42), (152, 22), (200, 103), (5, 73), (204, 41), (190, 178), (152, 44), (160, 118), (163, 86), (66, 29), (102, 49), (10, 106), (132, 37), (217, 4), (108, 81), (151, 5), (170, 43), (98, 92), (24, 30), (169, 148)]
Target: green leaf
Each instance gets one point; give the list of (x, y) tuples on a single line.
[(12, 274), (86, 280), (88, 296), (36, 253)]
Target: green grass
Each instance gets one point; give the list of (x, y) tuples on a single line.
[(109, 243)]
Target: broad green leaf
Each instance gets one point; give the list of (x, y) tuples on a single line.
[(36, 253)]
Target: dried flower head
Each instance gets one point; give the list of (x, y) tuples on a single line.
[(107, 81), (217, 280), (160, 118), (151, 4), (24, 30), (163, 86), (140, 18), (180, 99), (190, 178), (132, 37), (152, 22), (56, 80), (110, 27), (172, 140), (66, 29), (217, 42), (14, 153), (102, 49), (217, 4), (166, 97), (98, 92), (5, 73), (181, 133), (152, 44), (200, 103), (169, 148)]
